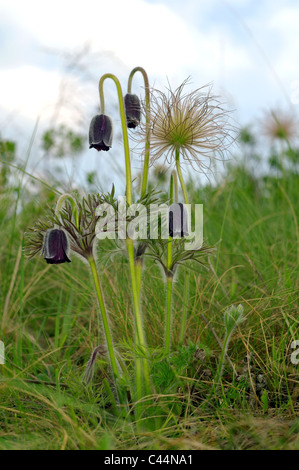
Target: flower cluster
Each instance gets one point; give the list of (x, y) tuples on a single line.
[(101, 126), (180, 125), (71, 229)]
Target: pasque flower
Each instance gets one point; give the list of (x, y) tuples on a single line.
[(178, 220), (55, 247), (133, 110), (101, 132), (70, 229), (193, 125)]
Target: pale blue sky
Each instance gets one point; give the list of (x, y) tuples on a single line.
[(247, 48)]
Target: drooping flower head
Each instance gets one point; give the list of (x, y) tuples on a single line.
[(71, 229), (101, 132), (55, 248), (192, 124), (133, 110)]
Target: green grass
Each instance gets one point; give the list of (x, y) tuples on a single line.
[(49, 327)]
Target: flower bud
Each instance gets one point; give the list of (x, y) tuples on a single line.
[(178, 221), (55, 247), (133, 110), (100, 132)]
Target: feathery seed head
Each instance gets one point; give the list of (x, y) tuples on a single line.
[(193, 125)]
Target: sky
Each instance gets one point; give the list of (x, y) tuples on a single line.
[(53, 54)]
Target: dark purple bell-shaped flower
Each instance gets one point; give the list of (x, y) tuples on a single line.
[(101, 132), (55, 247), (133, 110), (178, 221)]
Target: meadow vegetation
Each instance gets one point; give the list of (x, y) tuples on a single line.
[(49, 324)]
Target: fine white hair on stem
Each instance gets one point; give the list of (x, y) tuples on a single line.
[(195, 124)]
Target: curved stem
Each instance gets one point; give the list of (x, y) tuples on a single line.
[(61, 201), (132, 73), (136, 269), (147, 125), (124, 129), (139, 336)]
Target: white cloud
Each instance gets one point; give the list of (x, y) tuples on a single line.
[(165, 38), (137, 32), (29, 90), (170, 38)]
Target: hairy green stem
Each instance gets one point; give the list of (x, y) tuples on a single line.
[(169, 279), (187, 277), (180, 175), (169, 284), (139, 361), (174, 196), (139, 266), (221, 360), (147, 125), (139, 335), (104, 316), (138, 321), (185, 307), (139, 327)]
